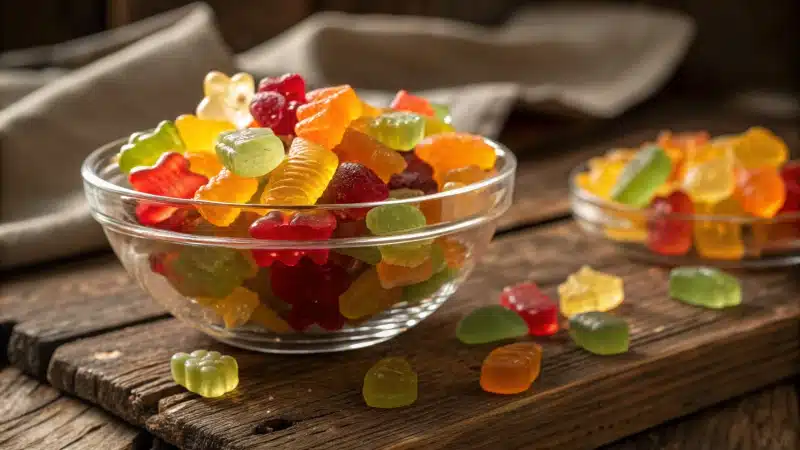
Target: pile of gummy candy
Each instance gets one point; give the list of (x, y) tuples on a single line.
[(585, 299), (744, 175), (280, 145)]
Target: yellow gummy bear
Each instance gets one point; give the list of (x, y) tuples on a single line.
[(719, 239), (709, 176), (198, 134), (236, 308), (225, 187), (227, 99), (589, 290), (603, 174), (759, 147)]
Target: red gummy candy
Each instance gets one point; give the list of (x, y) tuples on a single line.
[(536, 308), (418, 175), (670, 236), (291, 85), (302, 226), (169, 177), (313, 291), (354, 183), (288, 119), (404, 101), (267, 109)]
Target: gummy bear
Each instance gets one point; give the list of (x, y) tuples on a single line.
[(236, 308), (394, 276), (391, 219), (419, 292), (668, 235), (390, 383), (366, 296), (448, 151), (455, 253), (760, 191), (199, 135), (300, 226), (327, 114), (290, 85), (590, 290), (202, 163), (144, 148), (169, 177), (704, 286), (354, 183), (404, 101), (270, 320), (641, 177), (417, 175), (228, 188), (313, 291), (711, 181), (536, 308), (759, 147), (719, 238), (359, 148), (302, 177), (209, 374), (227, 99), (599, 333), (511, 369), (249, 153), (206, 271), (490, 323), (398, 130)]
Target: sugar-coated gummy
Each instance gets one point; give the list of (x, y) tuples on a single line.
[(252, 152), (600, 333)]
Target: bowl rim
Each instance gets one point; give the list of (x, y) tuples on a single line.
[(585, 197)]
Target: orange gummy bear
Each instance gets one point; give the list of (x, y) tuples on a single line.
[(359, 148), (225, 187), (448, 151), (512, 368), (205, 164), (302, 176), (761, 192), (327, 114)]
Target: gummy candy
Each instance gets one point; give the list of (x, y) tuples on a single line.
[(225, 187), (390, 383), (455, 253), (720, 238), (300, 226), (449, 151), (490, 323), (761, 192), (269, 319), (236, 308), (251, 152), (704, 286), (200, 135), (392, 219), (302, 177), (369, 255), (440, 122), (354, 183), (759, 147), (290, 85), (409, 254), (603, 174), (600, 333), (404, 101), (393, 276), (641, 177), (144, 148), (417, 175), (511, 369), (537, 309), (366, 296), (465, 175), (202, 163), (667, 235), (227, 99), (590, 290), (398, 130), (711, 181), (416, 293), (169, 177), (327, 114), (267, 109), (404, 193), (209, 374), (626, 226), (206, 271), (313, 291), (359, 148)]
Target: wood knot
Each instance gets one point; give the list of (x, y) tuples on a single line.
[(273, 425)]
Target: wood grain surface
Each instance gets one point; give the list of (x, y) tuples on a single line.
[(682, 359), (34, 416)]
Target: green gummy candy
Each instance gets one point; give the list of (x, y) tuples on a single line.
[(441, 122), (442, 112), (418, 292), (390, 383), (249, 153), (369, 255), (209, 374), (490, 323), (642, 176), (437, 258), (600, 333), (209, 271), (390, 219), (705, 286), (144, 147), (398, 130)]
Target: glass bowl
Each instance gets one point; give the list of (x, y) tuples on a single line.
[(728, 241), (212, 277)]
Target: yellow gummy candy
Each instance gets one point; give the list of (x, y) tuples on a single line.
[(302, 177), (225, 187), (719, 239), (590, 290), (759, 147), (236, 308)]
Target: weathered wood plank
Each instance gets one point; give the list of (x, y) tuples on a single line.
[(34, 416), (682, 359)]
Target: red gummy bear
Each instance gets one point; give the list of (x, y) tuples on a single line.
[(313, 291), (290, 85), (354, 183), (301, 226), (418, 175), (536, 308), (670, 236), (267, 109), (169, 177)]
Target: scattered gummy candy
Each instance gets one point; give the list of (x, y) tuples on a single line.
[(590, 290), (704, 286), (599, 332), (490, 323), (204, 372), (537, 309), (390, 383), (512, 368)]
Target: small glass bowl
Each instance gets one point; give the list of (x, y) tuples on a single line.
[(744, 242), (459, 221)]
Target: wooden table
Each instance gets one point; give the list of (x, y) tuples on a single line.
[(82, 329)]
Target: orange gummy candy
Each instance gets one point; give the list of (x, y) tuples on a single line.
[(455, 253), (327, 114), (225, 187), (511, 369), (302, 176), (761, 192), (448, 151), (393, 276), (404, 101), (359, 148), (205, 164)]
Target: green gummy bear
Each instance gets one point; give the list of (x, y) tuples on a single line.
[(249, 153), (209, 271), (144, 147), (490, 323), (600, 333), (705, 286), (398, 130), (209, 374), (390, 383), (418, 292), (641, 177)]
